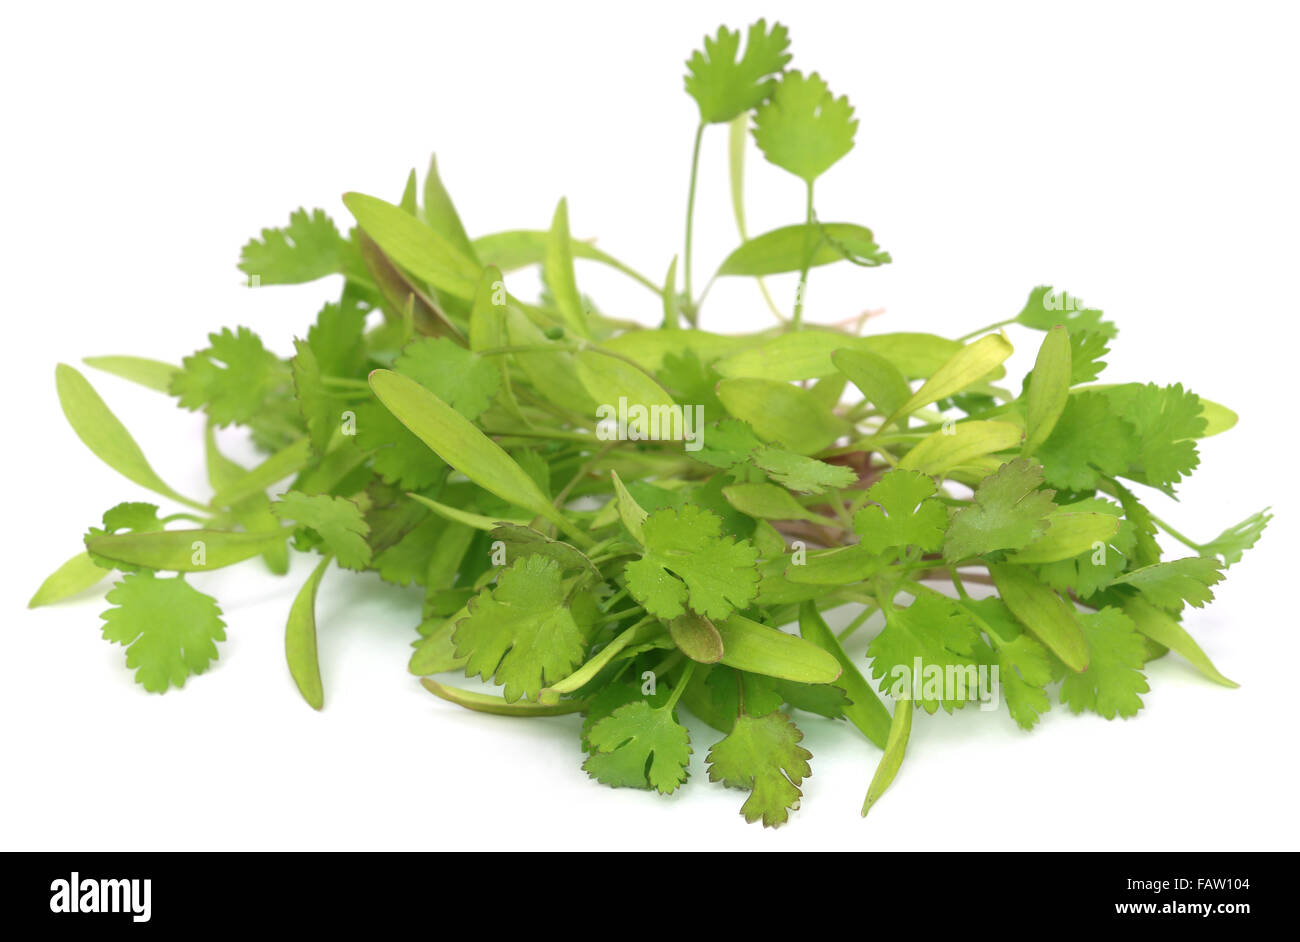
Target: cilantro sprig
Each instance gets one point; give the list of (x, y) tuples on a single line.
[(621, 522)]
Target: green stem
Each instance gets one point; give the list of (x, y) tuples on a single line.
[(1175, 534), (690, 209), (858, 621), (797, 320), (994, 326), (681, 686)]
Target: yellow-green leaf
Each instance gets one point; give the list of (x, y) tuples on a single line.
[(560, 277), (941, 451), (1163, 628), (413, 245), (76, 575), (101, 432), (864, 709), (900, 729), (153, 374), (458, 441), (971, 363), (750, 646), (186, 550), (779, 412), (1049, 618), (1068, 534), (300, 639), (1049, 387)]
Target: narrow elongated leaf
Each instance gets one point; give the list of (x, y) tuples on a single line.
[(637, 634), (152, 374), (785, 249), (750, 646), (470, 519), (402, 297), (769, 502), (647, 348), (488, 703), (101, 432), (942, 451), (185, 550), (300, 639), (782, 413), (441, 214), (1051, 619), (629, 511), (519, 248), (286, 462), (560, 277), (1049, 388), (414, 246), (900, 730), (968, 365), (1068, 534), (672, 309), (879, 380), (809, 354), (1163, 628), (608, 379), (76, 575), (865, 709), (458, 441)]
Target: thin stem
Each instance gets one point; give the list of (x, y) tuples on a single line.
[(995, 326), (690, 209), (1175, 534), (797, 320), (681, 686), (858, 621), (587, 467)]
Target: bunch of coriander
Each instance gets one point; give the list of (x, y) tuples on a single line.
[(618, 521)]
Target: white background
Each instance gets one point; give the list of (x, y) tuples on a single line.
[(1143, 156)]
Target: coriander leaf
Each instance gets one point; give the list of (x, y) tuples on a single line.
[(1008, 512), (335, 338), (1114, 678), (688, 561), (1092, 571), (337, 520), (400, 457), (131, 516), (763, 755), (1090, 440), (457, 376), (1024, 664), (724, 87), (522, 634), (691, 380), (1047, 308), (230, 380), (1087, 347), (639, 746), (1170, 584), (407, 560), (310, 247), (934, 629), (800, 473), (169, 628), (904, 514), (728, 443), (610, 698), (1234, 541), (319, 409), (802, 128), (1167, 420)]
